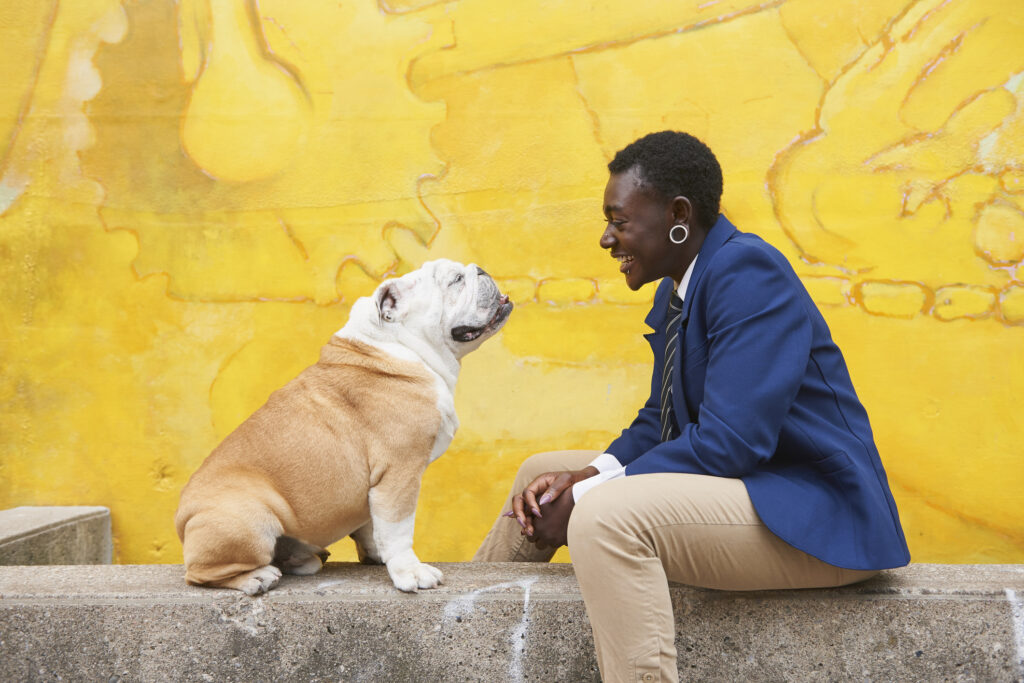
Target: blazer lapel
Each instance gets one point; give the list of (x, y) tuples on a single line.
[(719, 234), (659, 309), (657, 318)]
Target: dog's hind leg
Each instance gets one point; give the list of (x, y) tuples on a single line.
[(232, 550), (294, 556)]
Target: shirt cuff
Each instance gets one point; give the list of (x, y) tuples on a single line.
[(605, 463), (581, 487)]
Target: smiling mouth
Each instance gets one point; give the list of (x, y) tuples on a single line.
[(625, 261)]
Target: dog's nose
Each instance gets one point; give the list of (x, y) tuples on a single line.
[(481, 271)]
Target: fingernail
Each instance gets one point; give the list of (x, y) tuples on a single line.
[(545, 498), (537, 512), (521, 522), (510, 513)]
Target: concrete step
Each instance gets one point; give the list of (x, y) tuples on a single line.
[(77, 534), (496, 622)]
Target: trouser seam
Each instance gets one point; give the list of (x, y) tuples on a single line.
[(670, 524), (519, 548)]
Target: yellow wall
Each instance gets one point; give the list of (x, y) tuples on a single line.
[(193, 193)]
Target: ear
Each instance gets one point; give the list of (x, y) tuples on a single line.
[(682, 210), (387, 302)]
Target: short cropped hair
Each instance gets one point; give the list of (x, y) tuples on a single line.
[(671, 164)]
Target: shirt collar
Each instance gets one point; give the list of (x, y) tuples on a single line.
[(681, 289)]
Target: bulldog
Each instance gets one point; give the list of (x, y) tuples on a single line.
[(340, 449)]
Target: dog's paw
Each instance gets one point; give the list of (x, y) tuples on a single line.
[(302, 566), (258, 580), (409, 574)]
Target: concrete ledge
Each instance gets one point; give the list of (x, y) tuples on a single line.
[(55, 535), (496, 622)]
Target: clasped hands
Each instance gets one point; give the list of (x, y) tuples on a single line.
[(545, 521)]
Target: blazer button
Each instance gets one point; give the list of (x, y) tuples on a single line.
[(648, 677)]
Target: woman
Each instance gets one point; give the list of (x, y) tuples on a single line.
[(752, 465)]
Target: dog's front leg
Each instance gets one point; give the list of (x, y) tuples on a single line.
[(393, 516)]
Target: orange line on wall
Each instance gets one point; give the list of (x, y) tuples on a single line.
[(294, 240), (615, 43), (924, 18), (256, 26), (930, 498), (595, 120), (384, 7), (26, 104)]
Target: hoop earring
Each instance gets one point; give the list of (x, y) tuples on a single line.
[(671, 233)]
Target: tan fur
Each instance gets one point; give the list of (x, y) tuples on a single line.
[(301, 466)]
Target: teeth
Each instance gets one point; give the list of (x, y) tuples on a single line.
[(624, 259)]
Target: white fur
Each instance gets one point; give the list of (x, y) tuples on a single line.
[(422, 328), (449, 420), (365, 545), (426, 338), (260, 580), (415, 322), (394, 541)]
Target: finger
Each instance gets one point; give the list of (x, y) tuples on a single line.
[(551, 494), (517, 511), (541, 483), (559, 484), (530, 501)]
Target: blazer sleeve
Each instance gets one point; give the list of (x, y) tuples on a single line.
[(758, 346)]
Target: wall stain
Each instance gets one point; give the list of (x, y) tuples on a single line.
[(159, 284)]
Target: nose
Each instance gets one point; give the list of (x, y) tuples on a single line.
[(481, 271), (607, 238)]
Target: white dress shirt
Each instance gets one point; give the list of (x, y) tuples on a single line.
[(607, 464)]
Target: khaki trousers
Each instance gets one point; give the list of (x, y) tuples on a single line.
[(630, 536)]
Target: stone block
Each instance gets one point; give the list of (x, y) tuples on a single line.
[(496, 622), (34, 535)]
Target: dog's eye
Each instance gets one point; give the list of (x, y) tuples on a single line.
[(456, 280)]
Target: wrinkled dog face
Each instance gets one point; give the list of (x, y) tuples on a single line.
[(446, 302)]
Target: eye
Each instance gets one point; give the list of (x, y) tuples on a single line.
[(456, 280)]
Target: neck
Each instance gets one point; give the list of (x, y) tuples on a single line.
[(690, 249), (400, 343)]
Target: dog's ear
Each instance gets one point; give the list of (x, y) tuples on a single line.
[(387, 301)]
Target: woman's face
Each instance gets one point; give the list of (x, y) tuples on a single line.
[(637, 231)]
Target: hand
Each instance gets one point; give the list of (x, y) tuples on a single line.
[(525, 507), (551, 530)]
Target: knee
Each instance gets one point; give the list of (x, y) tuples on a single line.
[(539, 463), (602, 521)]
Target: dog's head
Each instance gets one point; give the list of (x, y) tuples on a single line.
[(444, 303)]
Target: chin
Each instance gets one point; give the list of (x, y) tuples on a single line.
[(635, 282)]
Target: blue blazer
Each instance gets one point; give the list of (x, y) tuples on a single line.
[(761, 393)]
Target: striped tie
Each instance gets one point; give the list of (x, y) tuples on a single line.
[(675, 310)]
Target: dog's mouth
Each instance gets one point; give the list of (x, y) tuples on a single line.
[(466, 333)]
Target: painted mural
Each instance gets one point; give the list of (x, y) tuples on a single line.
[(193, 193)]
